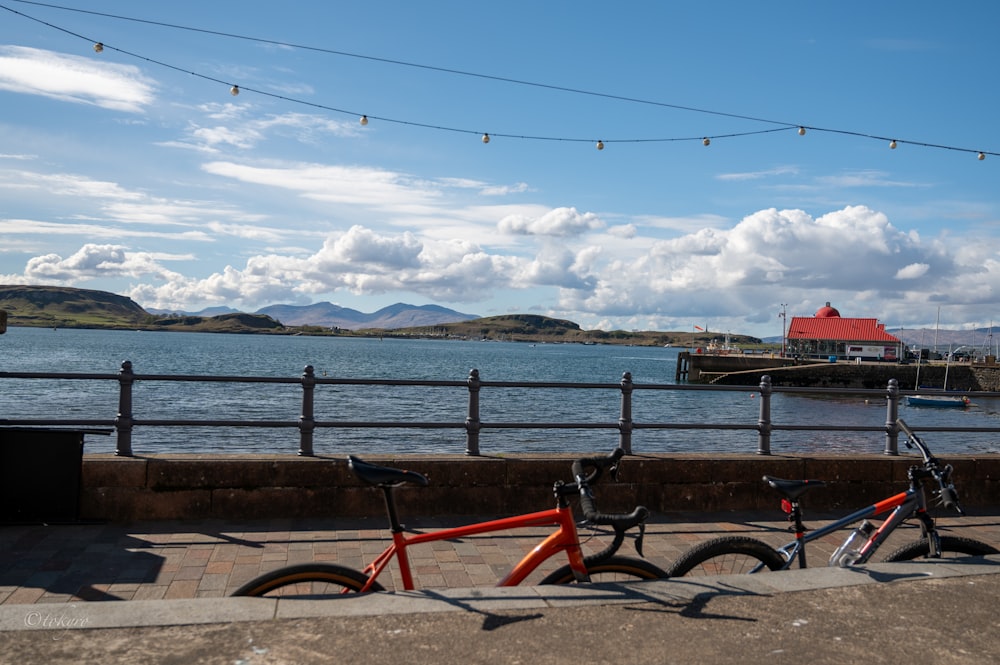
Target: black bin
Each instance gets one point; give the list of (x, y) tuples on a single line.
[(40, 474)]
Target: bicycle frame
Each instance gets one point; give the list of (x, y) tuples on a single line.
[(900, 507), (563, 539)]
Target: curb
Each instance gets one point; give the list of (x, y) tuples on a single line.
[(144, 613)]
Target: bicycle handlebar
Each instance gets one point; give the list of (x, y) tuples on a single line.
[(598, 464), (620, 522), (934, 469)]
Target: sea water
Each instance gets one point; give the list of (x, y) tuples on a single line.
[(235, 355)]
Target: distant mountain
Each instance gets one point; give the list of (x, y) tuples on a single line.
[(208, 311), (329, 315), (929, 338)]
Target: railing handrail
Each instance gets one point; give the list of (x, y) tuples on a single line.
[(307, 423)]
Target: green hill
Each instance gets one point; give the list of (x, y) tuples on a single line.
[(66, 307), (536, 328)]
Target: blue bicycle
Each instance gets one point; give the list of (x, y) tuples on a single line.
[(743, 554)]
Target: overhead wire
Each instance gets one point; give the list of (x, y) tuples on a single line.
[(783, 126)]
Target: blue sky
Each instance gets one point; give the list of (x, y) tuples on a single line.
[(135, 170)]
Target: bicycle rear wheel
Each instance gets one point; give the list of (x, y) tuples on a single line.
[(951, 547), (613, 569), (729, 555), (307, 580)]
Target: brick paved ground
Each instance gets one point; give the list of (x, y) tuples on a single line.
[(154, 560)]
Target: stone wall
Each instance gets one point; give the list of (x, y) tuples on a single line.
[(747, 371), (261, 487)]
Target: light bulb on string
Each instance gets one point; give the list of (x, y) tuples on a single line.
[(706, 141), (982, 156), (892, 144), (98, 47), (600, 145), (364, 120), (486, 138), (235, 90), (802, 131)]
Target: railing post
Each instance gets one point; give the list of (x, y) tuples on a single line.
[(472, 423), (625, 419), (891, 414), (123, 421), (764, 419), (307, 424)]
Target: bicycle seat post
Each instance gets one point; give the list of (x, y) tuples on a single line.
[(390, 508), (795, 517)]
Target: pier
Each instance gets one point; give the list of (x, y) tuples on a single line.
[(746, 369)]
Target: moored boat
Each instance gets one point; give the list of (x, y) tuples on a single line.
[(953, 401)]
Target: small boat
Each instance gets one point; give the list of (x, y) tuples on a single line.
[(946, 401), (953, 401)]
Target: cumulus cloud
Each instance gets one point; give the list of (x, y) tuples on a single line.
[(559, 222), (769, 256), (913, 271), (71, 78), (94, 261)]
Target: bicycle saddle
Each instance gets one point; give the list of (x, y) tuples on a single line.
[(792, 489), (384, 476)]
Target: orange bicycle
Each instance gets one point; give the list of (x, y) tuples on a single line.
[(317, 579)]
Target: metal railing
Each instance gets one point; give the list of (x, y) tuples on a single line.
[(125, 421)]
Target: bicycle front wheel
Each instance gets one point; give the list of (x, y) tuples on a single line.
[(307, 580), (613, 569), (951, 547), (729, 555)]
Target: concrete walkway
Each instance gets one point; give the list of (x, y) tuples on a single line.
[(177, 576)]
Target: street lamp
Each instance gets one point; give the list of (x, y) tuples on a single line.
[(784, 319)]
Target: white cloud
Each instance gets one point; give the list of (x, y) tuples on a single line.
[(560, 222), (623, 231), (758, 175), (769, 256), (333, 184), (95, 261), (236, 126), (912, 271), (74, 79)]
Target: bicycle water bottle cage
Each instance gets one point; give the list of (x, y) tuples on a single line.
[(384, 476)]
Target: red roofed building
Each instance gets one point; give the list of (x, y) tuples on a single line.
[(828, 334)]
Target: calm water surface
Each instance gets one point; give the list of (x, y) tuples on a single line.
[(171, 353)]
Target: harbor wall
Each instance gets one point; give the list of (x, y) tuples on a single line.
[(176, 487), (747, 370)]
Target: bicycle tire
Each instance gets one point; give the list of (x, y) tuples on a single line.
[(919, 549), (290, 581), (726, 556), (613, 569)]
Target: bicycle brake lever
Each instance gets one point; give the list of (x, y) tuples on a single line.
[(638, 539)]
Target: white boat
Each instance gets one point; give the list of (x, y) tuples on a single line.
[(953, 401)]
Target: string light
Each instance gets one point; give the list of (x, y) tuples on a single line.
[(600, 145), (235, 90), (892, 144), (364, 120)]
